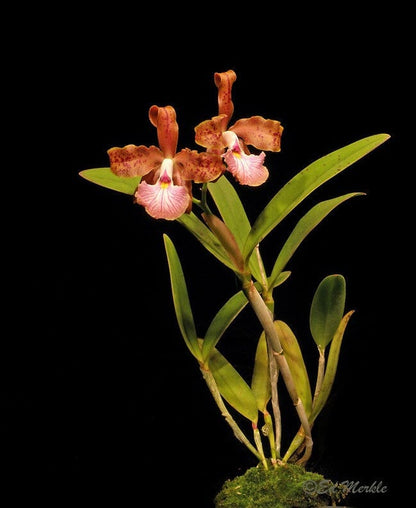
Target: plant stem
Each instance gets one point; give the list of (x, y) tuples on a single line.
[(202, 203), (204, 195), (320, 375), (297, 446), (259, 445), (274, 377), (239, 434), (273, 371), (266, 319), (270, 434), (261, 266)]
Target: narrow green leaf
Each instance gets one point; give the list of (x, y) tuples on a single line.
[(106, 178), (205, 237), (296, 363), (260, 381), (306, 224), (222, 320), (331, 367), (232, 386), (282, 277), (305, 182), (181, 300), (234, 215), (327, 309), (231, 209)]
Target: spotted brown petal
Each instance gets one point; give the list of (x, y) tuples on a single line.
[(209, 133), (259, 132), (200, 167), (164, 119), (224, 82), (134, 160)]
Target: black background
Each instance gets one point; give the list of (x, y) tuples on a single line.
[(97, 387)]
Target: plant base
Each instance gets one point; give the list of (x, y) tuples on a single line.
[(286, 486)]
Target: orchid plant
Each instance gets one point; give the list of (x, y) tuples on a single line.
[(164, 181)]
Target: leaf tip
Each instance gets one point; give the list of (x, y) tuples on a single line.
[(167, 241), (84, 174), (349, 314)]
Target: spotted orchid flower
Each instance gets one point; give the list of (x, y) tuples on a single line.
[(216, 136), (165, 190)]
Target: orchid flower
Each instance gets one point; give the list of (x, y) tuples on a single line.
[(215, 135), (166, 188)]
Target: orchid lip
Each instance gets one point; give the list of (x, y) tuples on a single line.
[(231, 140), (248, 169), (166, 172), (164, 199)]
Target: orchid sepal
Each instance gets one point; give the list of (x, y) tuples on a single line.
[(224, 82), (164, 119)]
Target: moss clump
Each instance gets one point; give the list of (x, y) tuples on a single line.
[(287, 486)]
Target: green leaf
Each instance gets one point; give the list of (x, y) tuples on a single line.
[(282, 277), (205, 237), (297, 367), (230, 208), (306, 224), (305, 182), (232, 386), (234, 215), (181, 300), (331, 368), (327, 309), (260, 381), (106, 178), (222, 320)]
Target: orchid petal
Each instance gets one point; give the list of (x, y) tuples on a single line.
[(200, 167), (134, 160), (224, 82), (164, 119), (248, 169), (164, 199), (163, 202), (209, 133), (259, 132)]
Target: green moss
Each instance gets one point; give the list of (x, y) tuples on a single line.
[(288, 486)]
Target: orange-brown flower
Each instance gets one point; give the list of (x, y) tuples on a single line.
[(216, 136), (166, 188)]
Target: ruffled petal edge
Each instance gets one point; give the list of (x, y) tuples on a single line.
[(259, 132), (132, 160)]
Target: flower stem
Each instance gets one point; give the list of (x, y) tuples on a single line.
[(204, 200), (202, 203), (239, 434)]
